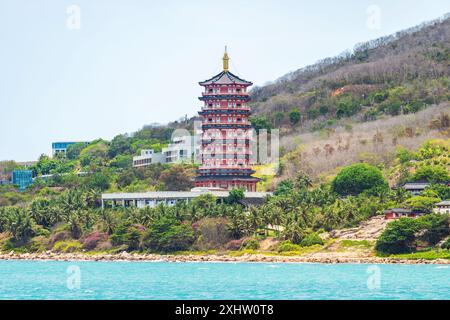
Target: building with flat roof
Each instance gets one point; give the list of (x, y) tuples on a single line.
[(22, 178), (152, 199), (182, 149), (148, 157)]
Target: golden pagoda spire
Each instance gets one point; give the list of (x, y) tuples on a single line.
[(225, 60)]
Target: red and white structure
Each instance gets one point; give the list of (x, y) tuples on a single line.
[(226, 133)]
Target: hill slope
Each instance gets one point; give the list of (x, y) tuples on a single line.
[(400, 73)]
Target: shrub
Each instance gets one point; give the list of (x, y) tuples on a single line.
[(446, 244), (91, 241), (213, 233), (311, 239), (250, 244), (67, 246), (38, 244), (168, 234), (234, 244), (287, 246), (103, 246), (436, 227), (59, 236), (355, 179), (294, 117)]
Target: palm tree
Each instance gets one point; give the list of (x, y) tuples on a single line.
[(93, 198), (108, 220), (39, 211), (254, 219), (19, 224)]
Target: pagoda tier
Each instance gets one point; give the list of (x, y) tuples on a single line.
[(225, 144)]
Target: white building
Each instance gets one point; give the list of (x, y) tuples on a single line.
[(182, 149), (170, 198), (148, 157), (442, 207)]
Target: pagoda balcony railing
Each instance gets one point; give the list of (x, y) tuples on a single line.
[(226, 169), (218, 93), (226, 122), (225, 96), (226, 109), (206, 126), (228, 152), (226, 156), (219, 145), (227, 140), (224, 166)]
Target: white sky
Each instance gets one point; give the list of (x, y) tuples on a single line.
[(137, 62)]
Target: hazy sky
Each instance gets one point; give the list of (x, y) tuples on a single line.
[(134, 62)]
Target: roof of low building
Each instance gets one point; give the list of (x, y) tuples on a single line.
[(177, 195), (416, 185), (443, 203), (398, 210)]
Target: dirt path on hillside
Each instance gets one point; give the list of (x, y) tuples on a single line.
[(360, 240)]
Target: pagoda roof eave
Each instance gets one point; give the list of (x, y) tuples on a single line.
[(225, 77)]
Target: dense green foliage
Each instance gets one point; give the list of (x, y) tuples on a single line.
[(358, 178), (168, 234), (407, 235)]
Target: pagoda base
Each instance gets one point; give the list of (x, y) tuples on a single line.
[(228, 183)]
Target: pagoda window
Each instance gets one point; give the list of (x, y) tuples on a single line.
[(238, 90), (210, 90)]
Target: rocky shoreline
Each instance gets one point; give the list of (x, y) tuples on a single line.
[(134, 257)]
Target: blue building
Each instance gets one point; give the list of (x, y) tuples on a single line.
[(22, 178), (61, 147)]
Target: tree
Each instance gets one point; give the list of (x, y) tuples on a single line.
[(422, 203), (279, 117), (177, 177), (398, 237), (294, 117), (259, 123), (123, 161), (431, 173), (74, 150), (39, 211), (357, 178), (19, 224), (168, 234), (235, 196), (442, 190), (98, 180), (285, 187), (121, 144)]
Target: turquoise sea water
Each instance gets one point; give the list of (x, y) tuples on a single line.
[(164, 280)]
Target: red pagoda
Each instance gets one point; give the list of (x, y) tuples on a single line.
[(227, 133)]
